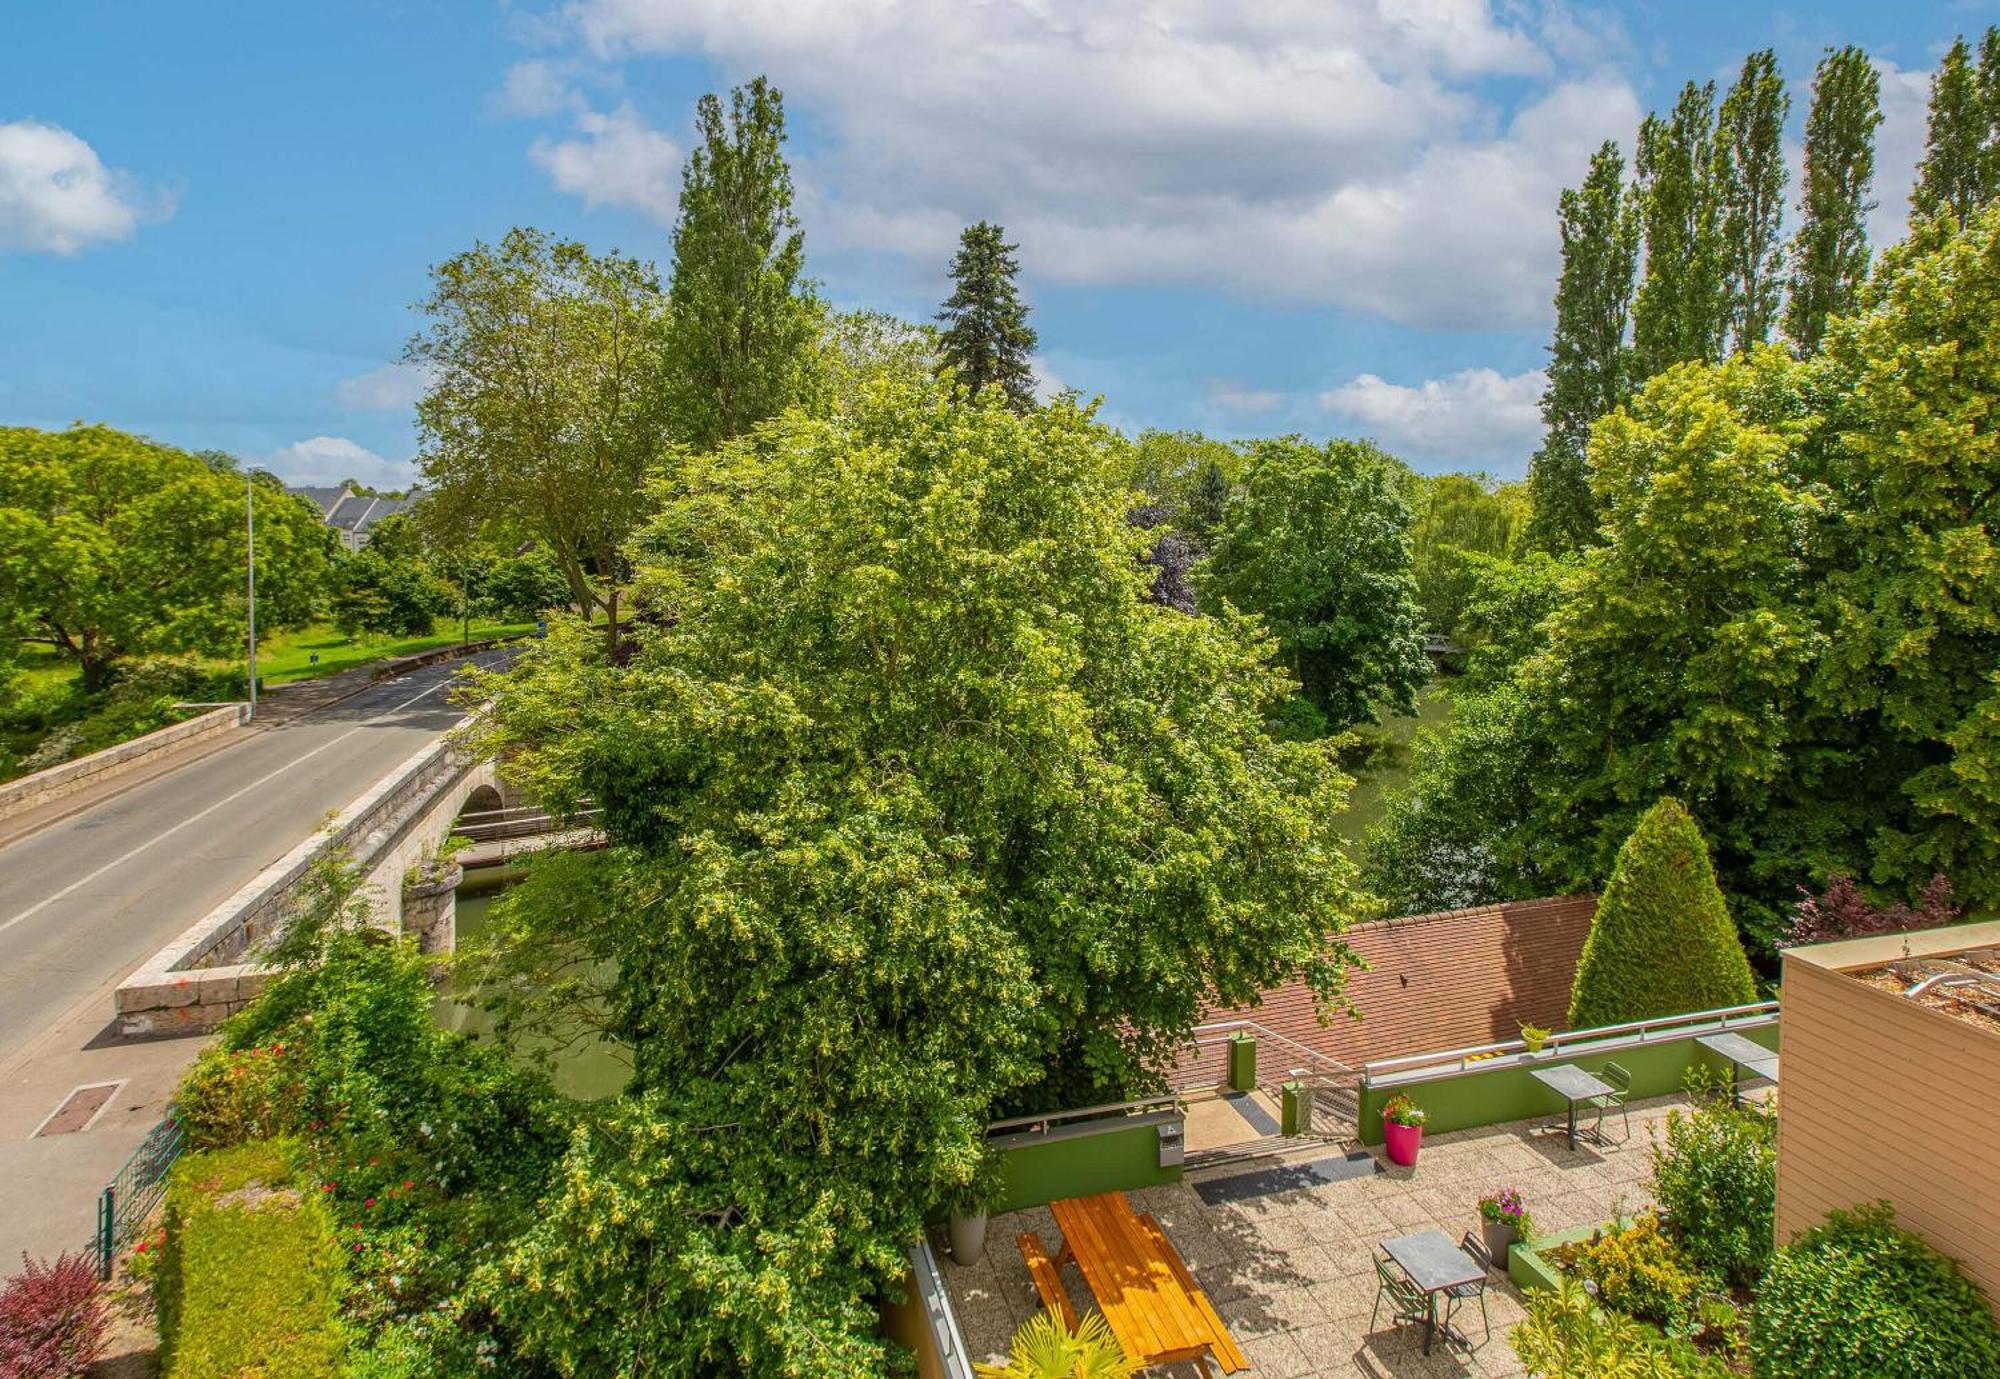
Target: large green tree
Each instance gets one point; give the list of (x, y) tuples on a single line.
[(1662, 942), (544, 408), (987, 340), (1829, 254), (917, 810), (1750, 178), (742, 323), (1951, 179), (112, 546), (1682, 308), (1462, 522), (1793, 626), (1590, 365), (1317, 544)]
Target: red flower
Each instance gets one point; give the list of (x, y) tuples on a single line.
[(369, 1203), (142, 1247), (326, 1187)]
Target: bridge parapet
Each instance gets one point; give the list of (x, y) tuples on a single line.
[(210, 970)]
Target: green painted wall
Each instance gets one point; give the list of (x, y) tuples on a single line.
[(1075, 1161), (1482, 1096)]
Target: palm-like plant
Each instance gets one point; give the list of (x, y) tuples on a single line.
[(1046, 1349)]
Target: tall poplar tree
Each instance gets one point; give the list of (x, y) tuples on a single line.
[(1681, 310), (1829, 256), (1589, 361), (1988, 81), (742, 321), (1750, 180), (987, 339), (1951, 179)]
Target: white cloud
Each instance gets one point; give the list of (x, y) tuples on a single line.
[(329, 459), (1474, 415), (391, 388), (618, 160), (1335, 151), (56, 195), (535, 88), (1231, 395), (1048, 383)]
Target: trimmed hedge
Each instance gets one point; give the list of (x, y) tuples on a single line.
[(1857, 1297), (1662, 942), (250, 1280)]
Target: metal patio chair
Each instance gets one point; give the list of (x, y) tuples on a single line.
[(1407, 1301), (1620, 1083), (1466, 1292)]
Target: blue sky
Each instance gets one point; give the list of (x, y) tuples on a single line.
[(1308, 215)]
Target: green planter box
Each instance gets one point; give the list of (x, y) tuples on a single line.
[(1242, 1063), (1528, 1270)]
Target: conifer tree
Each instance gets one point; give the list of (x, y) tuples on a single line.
[(1829, 255), (1750, 179), (1951, 179), (1589, 361), (987, 339), (1988, 81), (742, 321), (1662, 942), (1681, 311)]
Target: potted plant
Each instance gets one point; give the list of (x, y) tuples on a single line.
[(1503, 1219), (966, 1226), (1535, 1037), (1403, 1129)]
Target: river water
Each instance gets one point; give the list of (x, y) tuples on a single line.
[(587, 1070)]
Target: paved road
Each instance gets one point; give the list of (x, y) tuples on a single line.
[(87, 899)]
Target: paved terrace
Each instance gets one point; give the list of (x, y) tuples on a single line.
[(1290, 1271)]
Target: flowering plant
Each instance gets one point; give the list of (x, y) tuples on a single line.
[(1506, 1208), (1400, 1110)]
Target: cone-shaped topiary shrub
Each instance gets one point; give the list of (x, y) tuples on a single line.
[(1662, 942)]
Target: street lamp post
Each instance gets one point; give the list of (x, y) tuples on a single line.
[(250, 577)]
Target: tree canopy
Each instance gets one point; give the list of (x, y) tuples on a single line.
[(1317, 543), (1788, 626), (740, 331), (987, 340), (919, 812), (113, 546), (1829, 253), (544, 410)]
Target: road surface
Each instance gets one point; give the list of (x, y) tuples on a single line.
[(87, 899)]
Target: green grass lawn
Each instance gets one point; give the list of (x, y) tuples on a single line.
[(287, 656)]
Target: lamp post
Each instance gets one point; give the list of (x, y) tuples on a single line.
[(250, 577)]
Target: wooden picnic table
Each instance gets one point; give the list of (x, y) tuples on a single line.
[(1141, 1284)]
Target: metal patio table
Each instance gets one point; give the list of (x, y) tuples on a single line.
[(1436, 1265), (1573, 1085), (1744, 1055)]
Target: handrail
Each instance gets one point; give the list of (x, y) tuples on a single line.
[(1165, 1102), (1464, 1057), (1265, 1032)]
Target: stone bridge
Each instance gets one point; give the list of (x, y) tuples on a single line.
[(210, 971)]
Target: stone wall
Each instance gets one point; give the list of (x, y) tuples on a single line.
[(45, 787)]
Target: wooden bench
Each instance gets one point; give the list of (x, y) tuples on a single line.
[(1048, 1278), (1223, 1347)]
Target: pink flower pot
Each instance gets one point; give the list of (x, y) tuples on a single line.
[(1402, 1141)]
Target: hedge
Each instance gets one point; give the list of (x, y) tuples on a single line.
[(1857, 1297), (250, 1280), (1662, 942)]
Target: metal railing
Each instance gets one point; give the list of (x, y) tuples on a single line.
[(1334, 1084), (1642, 1031), (494, 825), (1049, 1119), (128, 1199)]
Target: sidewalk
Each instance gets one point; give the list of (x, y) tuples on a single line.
[(49, 1183)]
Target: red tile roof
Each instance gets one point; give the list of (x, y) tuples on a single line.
[(1442, 981)]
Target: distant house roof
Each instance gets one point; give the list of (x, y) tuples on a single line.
[(1441, 981), (354, 513)]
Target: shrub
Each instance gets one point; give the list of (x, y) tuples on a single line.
[(1637, 1270), (1842, 911), (1046, 1349), (52, 1319), (1857, 1297), (231, 1095), (1568, 1336), (1715, 1175), (1662, 942), (250, 1281)]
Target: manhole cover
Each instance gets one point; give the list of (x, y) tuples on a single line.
[(78, 1109)]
